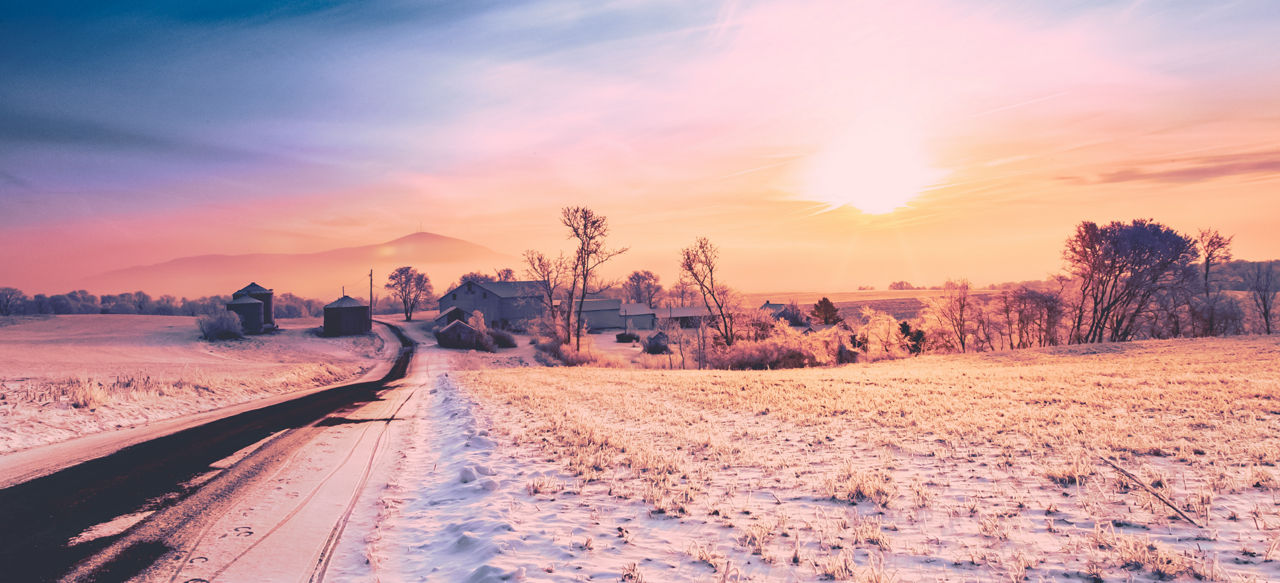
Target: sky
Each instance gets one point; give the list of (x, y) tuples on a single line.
[(822, 145)]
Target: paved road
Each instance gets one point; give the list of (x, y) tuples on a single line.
[(181, 486)]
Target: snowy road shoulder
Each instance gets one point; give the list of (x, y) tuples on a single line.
[(468, 505)]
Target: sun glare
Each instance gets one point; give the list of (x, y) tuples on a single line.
[(875, 168)]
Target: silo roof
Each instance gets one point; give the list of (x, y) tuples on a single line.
[(253, 288), (346, 302)]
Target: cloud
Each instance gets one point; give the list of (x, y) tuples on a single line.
[(20, 130), (1191, 170)]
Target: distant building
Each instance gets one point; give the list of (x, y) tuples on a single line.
[(773, 307), (639, 317), (600, 314), (347, 316), (263, 295), (505, 304), (458, 334), (250, 311), (685, 317), (454, 314)]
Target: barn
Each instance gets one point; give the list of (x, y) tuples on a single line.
[(452, 314), (264, 295), (505, 304), (459, 334), (346, 316), (639, 317), (250, 311)]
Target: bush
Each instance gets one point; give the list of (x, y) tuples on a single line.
[(657, 343), (220, 326), (764, 355), (502, 338), (568, 355), (625, 337)]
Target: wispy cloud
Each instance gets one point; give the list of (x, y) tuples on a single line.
[(1193, 170)]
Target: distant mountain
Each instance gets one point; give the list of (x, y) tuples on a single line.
[(319, 275)]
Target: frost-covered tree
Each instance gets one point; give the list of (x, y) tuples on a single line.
[(699, 262), (589, 230), (642, 287), (408, 287)]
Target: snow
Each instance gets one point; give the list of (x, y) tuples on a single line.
[(68, 376), (560, 474)]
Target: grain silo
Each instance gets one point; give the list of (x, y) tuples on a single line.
[(263, 295), (346, 316), (250, 311)]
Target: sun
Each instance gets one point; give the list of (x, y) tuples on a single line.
[(876, 168)]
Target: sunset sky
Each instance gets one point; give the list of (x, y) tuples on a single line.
[(821, 145)]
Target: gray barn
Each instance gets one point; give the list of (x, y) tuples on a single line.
[(346, 316), (505, 304)]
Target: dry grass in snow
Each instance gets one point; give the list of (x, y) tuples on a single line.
[(69, 375), (949, 468)]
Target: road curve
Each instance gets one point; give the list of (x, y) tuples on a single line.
[(42, 515)]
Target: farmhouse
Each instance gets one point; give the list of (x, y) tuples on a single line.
[(504, 303), (773, 307), (347, 316)]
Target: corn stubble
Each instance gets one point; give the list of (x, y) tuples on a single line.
[(957, 467)]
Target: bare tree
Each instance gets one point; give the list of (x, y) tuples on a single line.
[(642, 287), (505, 274), (589, 229), (1119, 267), (699, 262), (1214, 248), (11, 300), (682, 293), (475, 277), (1263, 284), (409, 287), (549, 274), (954, 312)]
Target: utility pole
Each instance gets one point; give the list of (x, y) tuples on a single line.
[(371, 296)]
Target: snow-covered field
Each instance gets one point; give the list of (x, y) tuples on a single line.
[(941, 468), (66, 376)]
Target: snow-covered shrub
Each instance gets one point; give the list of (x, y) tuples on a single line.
[(220, 326), (502, 338)]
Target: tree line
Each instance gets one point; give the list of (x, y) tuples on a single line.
[(14, 302), (1121, 281)]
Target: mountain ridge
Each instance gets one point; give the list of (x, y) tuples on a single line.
[(316, 274)]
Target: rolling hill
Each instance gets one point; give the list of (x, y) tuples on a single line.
[(319, 275)]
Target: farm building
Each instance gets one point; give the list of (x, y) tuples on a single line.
[(250, 311), (459, 335), (454, 314), (347, 316), (773, 307), (639, 317), (264, 295), (601, 314), (505, 304), (685, 317)]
